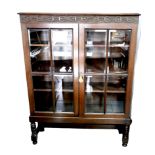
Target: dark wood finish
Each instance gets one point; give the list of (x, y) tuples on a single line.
[(80, 14), (106, 64), (34, 135), (79, 118), (78, 18), (81, 69), (28, 67), (131, 69), (125, 137), (40, 127)]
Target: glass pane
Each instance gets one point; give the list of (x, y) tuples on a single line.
[(62, 48), (95, 50), (43, 100), (42, 82), (94, 94), (94, 102), (39, 50), (115, 102), (63, 93), (94, 83), (39, 36), (116, 83), (119, 43)]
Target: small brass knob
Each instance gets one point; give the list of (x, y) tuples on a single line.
[(81, 79)]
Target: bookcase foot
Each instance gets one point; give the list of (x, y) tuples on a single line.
[(40, 128), (125, 137), (34, 134), (120, 129)]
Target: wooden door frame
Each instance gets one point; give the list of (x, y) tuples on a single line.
[(132, 49), (25, 39)]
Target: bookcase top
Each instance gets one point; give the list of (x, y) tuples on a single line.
[(78, 18)]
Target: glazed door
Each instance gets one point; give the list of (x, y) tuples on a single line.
[(103, 76), (54, 66)]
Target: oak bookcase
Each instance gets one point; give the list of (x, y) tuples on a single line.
[(79, 70)]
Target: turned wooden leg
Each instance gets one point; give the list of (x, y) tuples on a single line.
[(34, 134), (125, 137), (120, 129), (40, 127)]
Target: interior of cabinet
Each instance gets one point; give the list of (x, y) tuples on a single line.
[(52, 69), (106, 53), (106, 70)]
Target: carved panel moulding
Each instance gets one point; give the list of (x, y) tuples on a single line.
[(77, 19)]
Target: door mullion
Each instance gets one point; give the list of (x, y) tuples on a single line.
[(52, 71), (106, 67)]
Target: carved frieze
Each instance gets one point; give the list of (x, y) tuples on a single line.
[(77, 19)]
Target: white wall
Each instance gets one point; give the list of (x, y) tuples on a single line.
[(14, 110)]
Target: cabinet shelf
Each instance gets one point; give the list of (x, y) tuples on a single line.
[(67, 90), (93, 45), (44, 90), (122, 46), (114, 73), (40, 73), (63, 90), (107, 91), (49, 90), (116, 91), (40, 45), (111, 45), (50, 73)]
